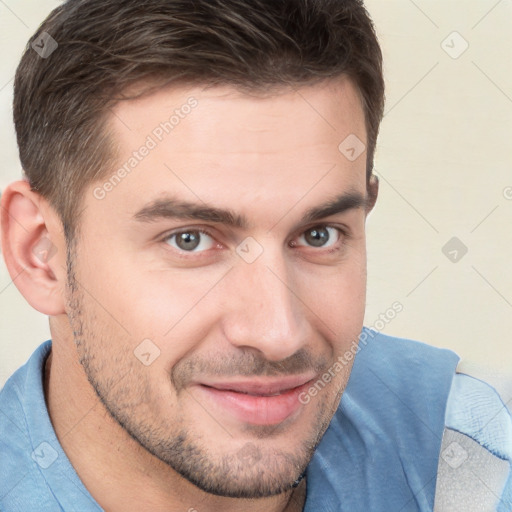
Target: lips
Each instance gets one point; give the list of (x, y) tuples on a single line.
[(258, 401), (261, 387)]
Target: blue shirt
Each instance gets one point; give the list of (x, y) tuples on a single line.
[(406, 419)]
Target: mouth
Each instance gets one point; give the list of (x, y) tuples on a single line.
[(257, 402)]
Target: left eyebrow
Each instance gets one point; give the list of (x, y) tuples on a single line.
[(340, 204)]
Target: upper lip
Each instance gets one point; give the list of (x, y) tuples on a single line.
[(262, 386)]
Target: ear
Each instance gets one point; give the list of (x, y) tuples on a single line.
[(34, 247), (373, 192)]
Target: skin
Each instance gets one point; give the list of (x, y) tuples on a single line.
[(155, 441)]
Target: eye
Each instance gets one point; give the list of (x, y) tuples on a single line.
[(320, 236), (192, 240)]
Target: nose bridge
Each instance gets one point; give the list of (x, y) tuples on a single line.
[(266, 313)]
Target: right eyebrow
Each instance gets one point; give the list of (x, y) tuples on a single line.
[(170, 208)]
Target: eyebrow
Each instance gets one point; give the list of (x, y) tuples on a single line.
[(171, 208), (340, 204)]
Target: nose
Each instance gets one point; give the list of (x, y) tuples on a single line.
[(266, 311)]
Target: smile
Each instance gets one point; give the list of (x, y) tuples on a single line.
[(257, 402)]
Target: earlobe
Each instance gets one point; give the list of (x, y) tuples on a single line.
[(33, 248)]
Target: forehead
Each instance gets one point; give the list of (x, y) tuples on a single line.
[(222, 110), (230, 149)]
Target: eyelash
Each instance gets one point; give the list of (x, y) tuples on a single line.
[(343, 234)]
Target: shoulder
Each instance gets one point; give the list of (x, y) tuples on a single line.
[(443, 439), (475, 465), (410, 370), (21, 481)]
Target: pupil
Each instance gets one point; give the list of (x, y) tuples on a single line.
[(317, 236), (187, 241)]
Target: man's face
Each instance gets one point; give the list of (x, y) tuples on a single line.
[(212, 287)]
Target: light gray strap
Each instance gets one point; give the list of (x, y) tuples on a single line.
[(500, 380), (469, 478)]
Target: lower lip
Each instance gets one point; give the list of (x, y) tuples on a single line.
[(257, 410)]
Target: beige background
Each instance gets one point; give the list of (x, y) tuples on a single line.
[(445, 164)]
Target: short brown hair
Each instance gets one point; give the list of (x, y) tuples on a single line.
[(61, 103)]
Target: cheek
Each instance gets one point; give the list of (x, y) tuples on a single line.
[(131, 294), (338, 299), (164, 310)]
